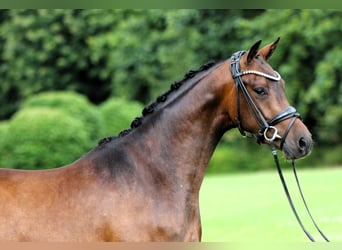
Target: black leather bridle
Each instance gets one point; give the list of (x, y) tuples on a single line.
[(265, 126), (269, 126)]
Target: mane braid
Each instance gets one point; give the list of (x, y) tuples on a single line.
[(160, 99)]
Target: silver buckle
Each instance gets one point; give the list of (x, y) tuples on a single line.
[(274, 136)]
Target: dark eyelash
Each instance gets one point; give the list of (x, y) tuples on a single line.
[(260, 91)]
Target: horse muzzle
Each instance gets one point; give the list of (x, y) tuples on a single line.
[(297, 148)]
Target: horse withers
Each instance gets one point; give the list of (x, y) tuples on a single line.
[(143, 185)]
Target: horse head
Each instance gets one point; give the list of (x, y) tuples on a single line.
[(262, 106)]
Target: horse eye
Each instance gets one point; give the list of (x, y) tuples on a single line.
[(260, 91)]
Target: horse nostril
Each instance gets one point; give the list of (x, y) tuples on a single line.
[(302, 143)]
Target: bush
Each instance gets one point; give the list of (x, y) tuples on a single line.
[(3, 133), (39, 138), (235, 154), (74, 105), (241, 157), (117, 115), (3, 128), (330, 128)]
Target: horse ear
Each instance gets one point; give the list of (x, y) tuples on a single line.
[(253, 51), (268, 50)]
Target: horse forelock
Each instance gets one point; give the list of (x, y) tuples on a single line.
[(157, 104)]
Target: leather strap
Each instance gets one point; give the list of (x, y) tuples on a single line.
[(265, 126)]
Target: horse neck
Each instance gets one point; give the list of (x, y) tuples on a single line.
[(181, 137)]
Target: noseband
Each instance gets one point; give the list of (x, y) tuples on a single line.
[(269, 126), (265, 126)]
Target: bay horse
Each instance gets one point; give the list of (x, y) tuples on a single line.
[(143, 185)]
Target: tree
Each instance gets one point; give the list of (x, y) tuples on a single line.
[(48, 50), (102, 53)]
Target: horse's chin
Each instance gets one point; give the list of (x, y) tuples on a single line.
[(294, 153)]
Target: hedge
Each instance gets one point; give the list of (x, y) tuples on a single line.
[(55, 128), (117, 114), (39, 138), (3, 128), (3, 132), (73, 104)]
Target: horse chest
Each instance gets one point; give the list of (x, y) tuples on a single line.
[(150, 219)]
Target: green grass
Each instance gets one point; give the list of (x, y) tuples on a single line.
[(253, 206)]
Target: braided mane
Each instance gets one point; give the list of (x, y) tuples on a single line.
[(160, 99)]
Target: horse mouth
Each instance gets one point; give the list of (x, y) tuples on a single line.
[(298, 152)]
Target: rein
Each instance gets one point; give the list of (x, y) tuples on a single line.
[(269, 126)]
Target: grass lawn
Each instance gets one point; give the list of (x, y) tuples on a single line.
[(253, 206)]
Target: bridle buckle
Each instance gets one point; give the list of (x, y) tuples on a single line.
[(274, 136)]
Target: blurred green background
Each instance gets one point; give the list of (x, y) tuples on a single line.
[(72, 77)]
